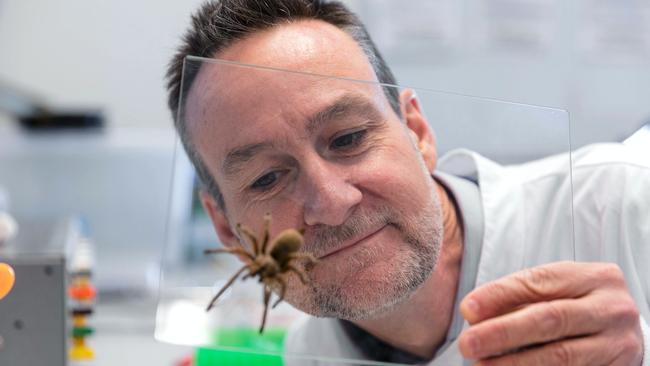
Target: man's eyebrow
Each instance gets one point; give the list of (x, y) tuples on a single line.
[(237, 158), (346, 105)]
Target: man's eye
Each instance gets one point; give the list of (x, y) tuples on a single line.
[(348, 140), (265, 181)]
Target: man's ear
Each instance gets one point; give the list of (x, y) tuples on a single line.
[(219, 219), (418, 128)]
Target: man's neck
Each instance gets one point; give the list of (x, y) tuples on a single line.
[(420, 324)]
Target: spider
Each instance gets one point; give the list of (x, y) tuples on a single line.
[(268, 260)]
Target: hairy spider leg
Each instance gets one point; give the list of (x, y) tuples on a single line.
[(301, 255), (241, 251), (265, 235), (244, 232), (283, 288), (267, 297), (255, 271), (297, 271), (252, 274), (223, 289)]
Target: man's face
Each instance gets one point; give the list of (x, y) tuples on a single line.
[(322, 154)]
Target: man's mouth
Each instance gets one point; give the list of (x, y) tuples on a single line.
[(349, 244)]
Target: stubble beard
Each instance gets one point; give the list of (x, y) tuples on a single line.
[(352, 298)]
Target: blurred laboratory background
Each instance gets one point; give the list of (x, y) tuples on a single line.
[(87, 145)]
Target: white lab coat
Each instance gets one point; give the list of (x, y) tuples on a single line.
[(527, 222)]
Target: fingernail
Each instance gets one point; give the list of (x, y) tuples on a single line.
[(474, 344), (473, 306)]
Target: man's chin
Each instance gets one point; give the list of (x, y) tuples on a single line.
[(368, 262), (358, 297), (365, 285), (357, 302)]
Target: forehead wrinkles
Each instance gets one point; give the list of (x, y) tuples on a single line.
[(225, 95), (219, 88), (256, 105)]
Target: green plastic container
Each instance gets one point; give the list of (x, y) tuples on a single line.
[(245, 347)]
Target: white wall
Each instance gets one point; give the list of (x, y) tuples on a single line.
[(591, 57), (94, 53), (587, 56)]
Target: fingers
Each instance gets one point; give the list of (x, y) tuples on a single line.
[(575, 352), (584, 351), (563, 313), (543, 283), (534, 324)]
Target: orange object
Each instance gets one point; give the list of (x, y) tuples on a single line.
[(7, 279), (84, 292), (81, 281), (79, 321)]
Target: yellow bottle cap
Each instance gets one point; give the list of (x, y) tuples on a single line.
[(81, 353)]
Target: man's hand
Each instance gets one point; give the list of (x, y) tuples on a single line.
[(563, 313)]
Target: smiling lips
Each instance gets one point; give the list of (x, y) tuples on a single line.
[(351, 243)]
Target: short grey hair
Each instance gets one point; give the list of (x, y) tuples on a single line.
[(219, 23)]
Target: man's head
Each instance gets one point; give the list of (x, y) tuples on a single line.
[(349, 162), (219, 24)]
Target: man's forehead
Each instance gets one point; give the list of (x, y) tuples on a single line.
[(229, 103), (263, 101), (233, 121), (237, 127), (309, 46)]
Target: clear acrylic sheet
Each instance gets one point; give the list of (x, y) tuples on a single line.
[(233, 104)]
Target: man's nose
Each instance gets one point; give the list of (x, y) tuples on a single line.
[(329, 195)]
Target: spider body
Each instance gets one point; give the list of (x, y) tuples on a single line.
[(268, 260)]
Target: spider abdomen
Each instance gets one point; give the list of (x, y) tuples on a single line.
[(288, 242)]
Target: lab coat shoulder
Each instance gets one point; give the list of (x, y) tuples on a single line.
[(612, 213), (542, 211), (611, 176), (526, 210), (535, 212)]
